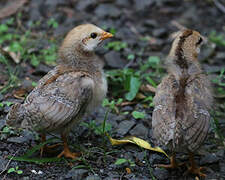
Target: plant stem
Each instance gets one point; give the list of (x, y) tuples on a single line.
[(104, 122)]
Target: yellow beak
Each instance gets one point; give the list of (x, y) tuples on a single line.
[(105, 35)]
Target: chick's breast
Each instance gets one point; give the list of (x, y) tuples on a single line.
[(58, 101)]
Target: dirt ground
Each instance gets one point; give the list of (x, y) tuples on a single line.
[(146, 27)]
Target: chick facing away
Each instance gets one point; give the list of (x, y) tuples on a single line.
[(183, 99)]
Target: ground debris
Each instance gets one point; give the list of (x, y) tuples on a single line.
[(11, 8)]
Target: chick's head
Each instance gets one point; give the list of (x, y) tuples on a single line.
[(86, 37), (188, 42)]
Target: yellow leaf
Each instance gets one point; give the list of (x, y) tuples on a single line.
[(137, 141)]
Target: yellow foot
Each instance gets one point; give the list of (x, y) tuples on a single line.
[(53, 146), (193, 168), (45, 147), (196, 171), (66, 153), (173, 164), (170, 166)]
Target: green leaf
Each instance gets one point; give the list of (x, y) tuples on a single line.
[(37, 147), (120, 161), (116, 45), (154, 61), (108, 127), (11, 170), (105, 102), (10, 21), (8, 103), (8, 37), (79, 167), (151, 104), (132, 164), (112, 31), (3, 28), (34, 84), (36, 160), (138, 115), (84, 124), (19, 172), (134, 87), (99, 130), (151, 81), (53, 23), (218, 39), (50, 58), (34, 60), (16, 47), (6, 130), (127, 79), (120, 100), (130, 57)]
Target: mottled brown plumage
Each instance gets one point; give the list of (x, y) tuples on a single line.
[(183, 99), (76, 86)]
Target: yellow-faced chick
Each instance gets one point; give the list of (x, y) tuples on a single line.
[(76, 86)]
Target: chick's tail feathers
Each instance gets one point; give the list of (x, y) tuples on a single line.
[(15, 115)]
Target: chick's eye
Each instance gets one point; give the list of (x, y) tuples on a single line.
[(93, 35), (199, 41)]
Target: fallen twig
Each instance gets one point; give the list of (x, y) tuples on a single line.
[(148, 88), (178, 25), (219, 6), (11, 8), (7, 165), (127, 103), (6, 54)]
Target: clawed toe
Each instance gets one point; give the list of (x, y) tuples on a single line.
[(68, 154), (193, 169), (170, 166), (66, 151), (48, 149), (173, 164), (196, 171)]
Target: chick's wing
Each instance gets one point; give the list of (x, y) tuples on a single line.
[(199, 100), (163, 119), (59, 98)]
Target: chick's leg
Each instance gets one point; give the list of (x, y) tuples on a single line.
[(45, 147), (193, 169), (173, 163), (66, 152), (43, 139)]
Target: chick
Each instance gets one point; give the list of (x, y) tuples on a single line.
[(183, 99), (76, 86)]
